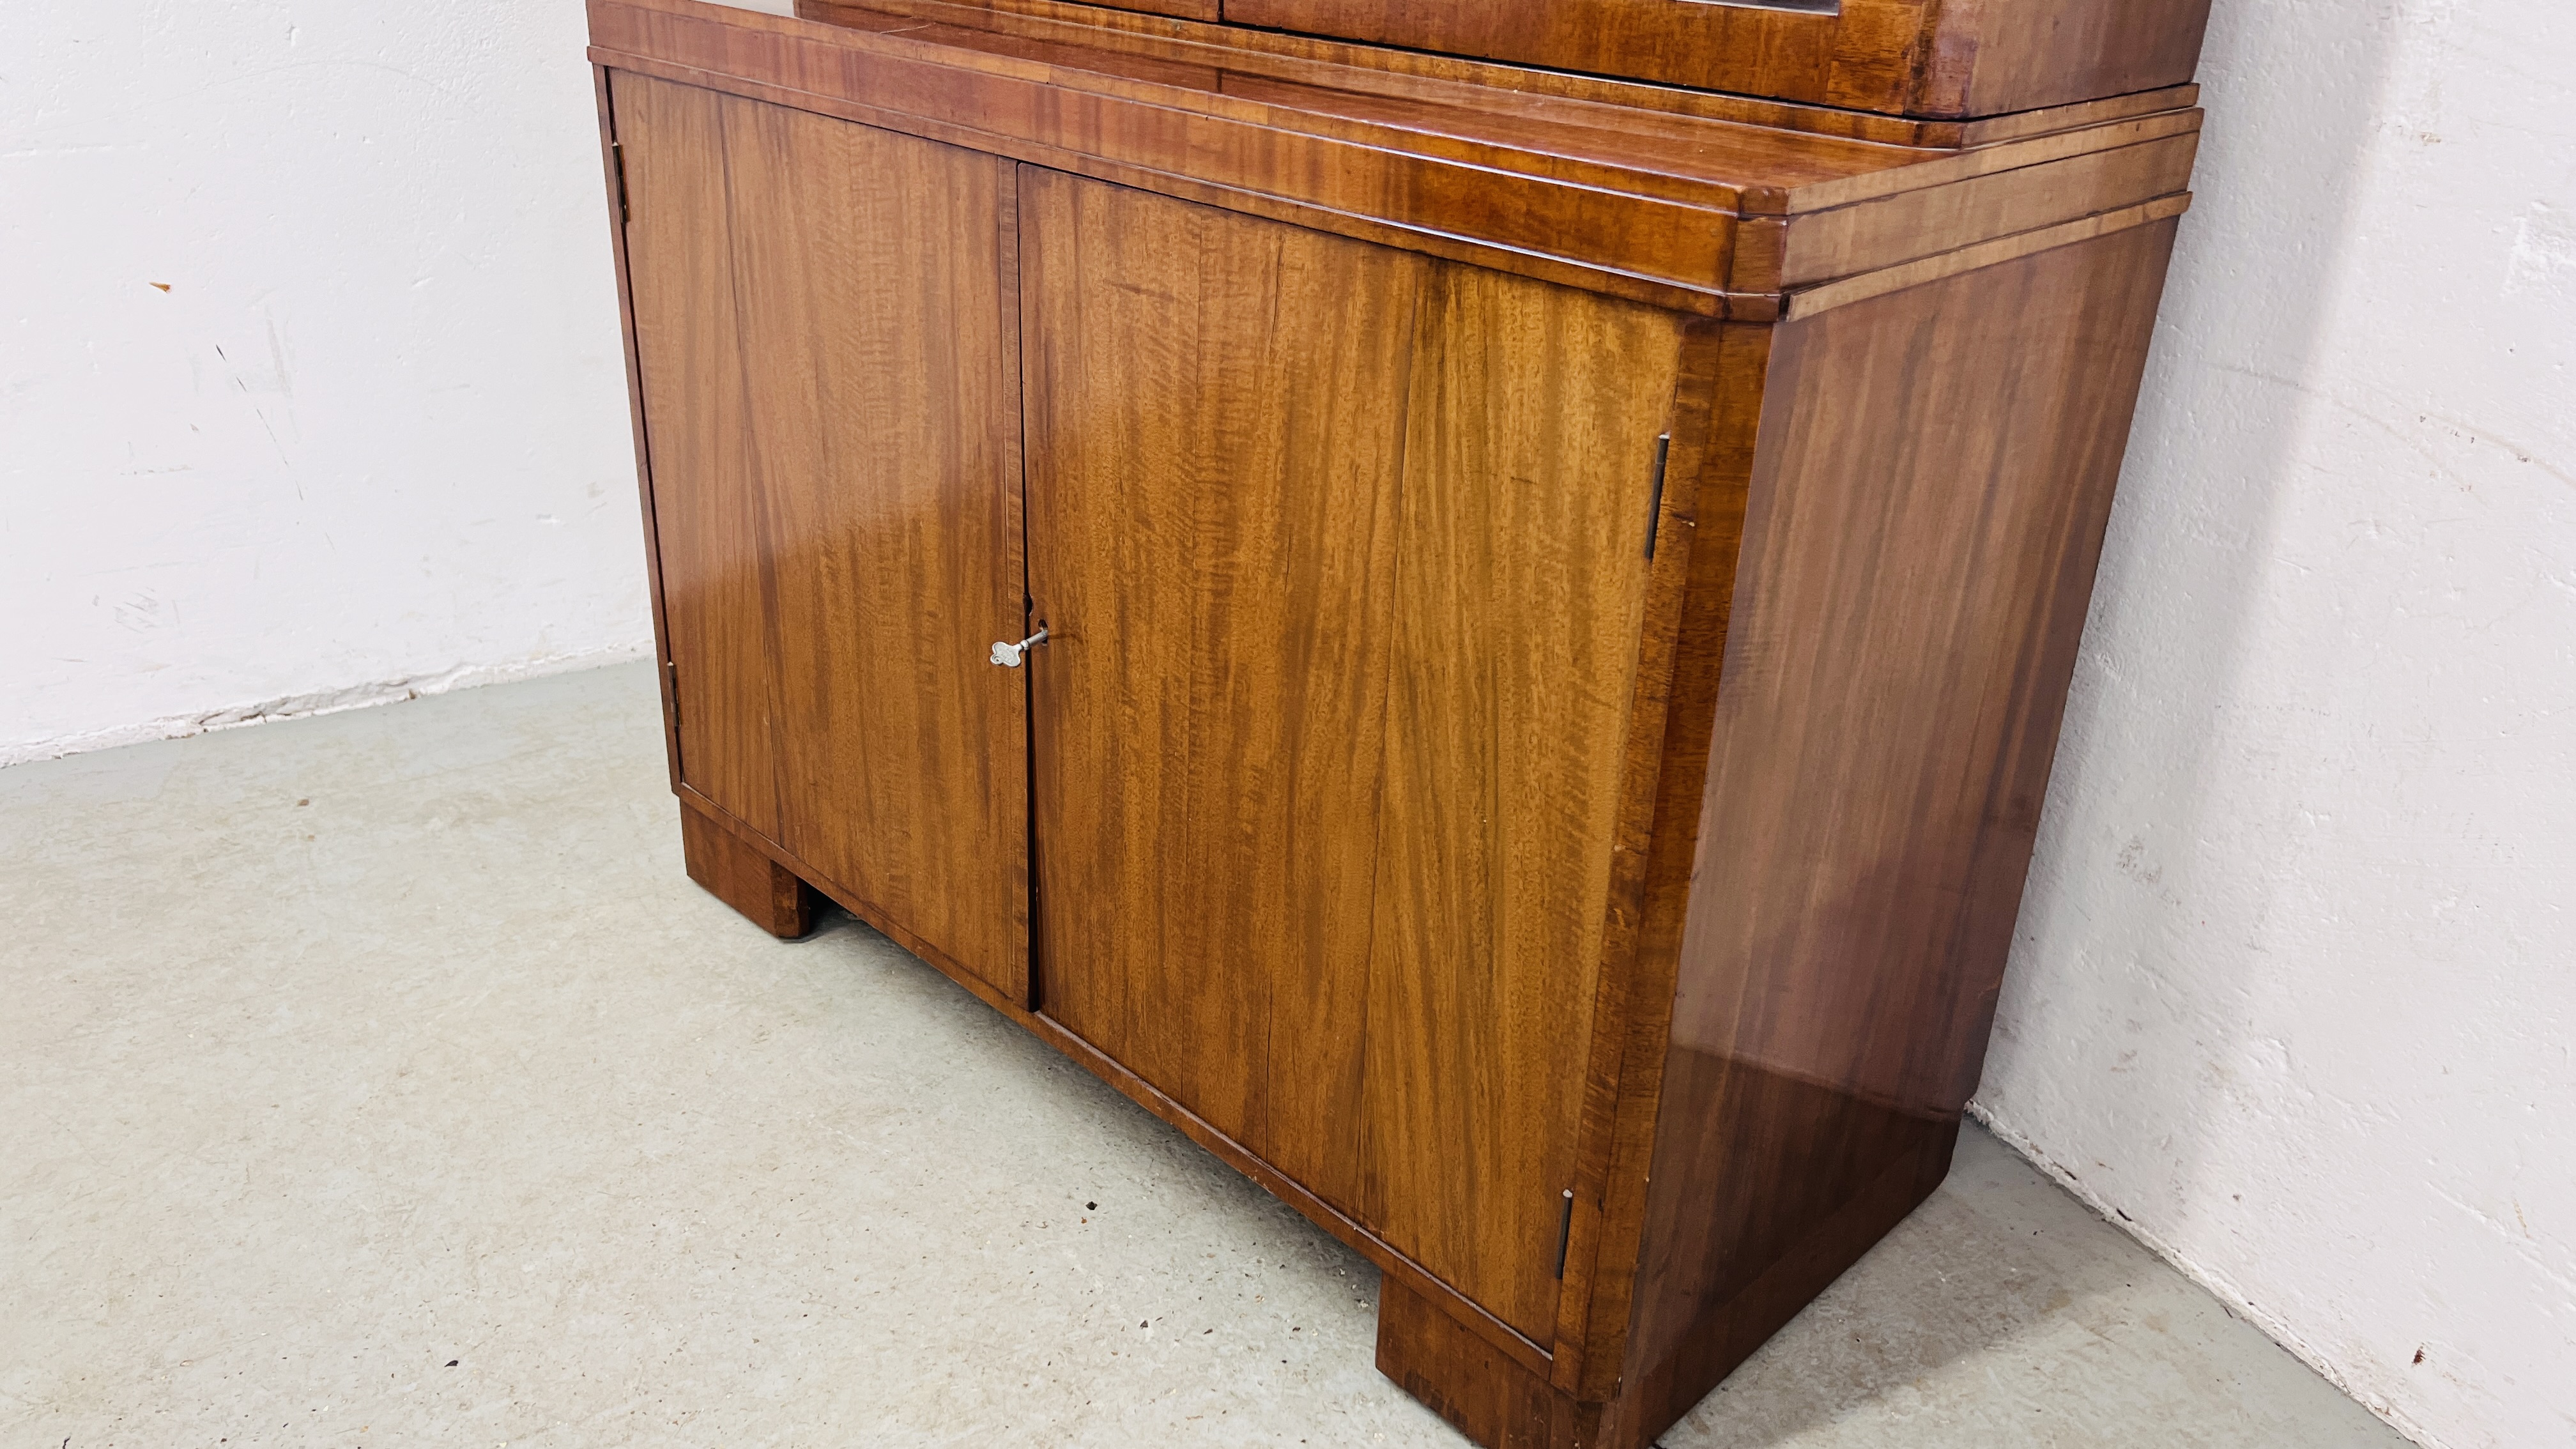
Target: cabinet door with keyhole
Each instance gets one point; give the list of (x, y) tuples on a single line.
[(1342, 553), (828, 355)]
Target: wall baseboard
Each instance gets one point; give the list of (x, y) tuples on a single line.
[(326, 701)]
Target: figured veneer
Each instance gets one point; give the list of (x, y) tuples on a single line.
[(1216, 406), (736, 872), (828, 345), (1904, 57), (1558, 593), (1875, 774), (1682, 211), (1322, 802)]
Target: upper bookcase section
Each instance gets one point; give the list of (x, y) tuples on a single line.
[(1944, 59)]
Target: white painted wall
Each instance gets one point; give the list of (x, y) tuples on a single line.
[(2295, 988), (373, 438)]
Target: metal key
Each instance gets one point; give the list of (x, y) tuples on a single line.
[(1009, 655)]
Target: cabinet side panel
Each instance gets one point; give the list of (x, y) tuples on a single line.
[(880, 436), (1216, 413), (1930, 488), (1529, 491), (717, 577)]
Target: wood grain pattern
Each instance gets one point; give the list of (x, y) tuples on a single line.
[(1718, 409), (1051, 101), (1347, 556), (613, 171), (1891, 231), (1461, 1377), (1425, 72), (870, 385), (1215, 419), (1809, 301), (718, 576), (1206, 10), (1919, 548), (1991, 57), (1634, 201), (736, 873), (884, 433), (1528, 492), (1907, 57)]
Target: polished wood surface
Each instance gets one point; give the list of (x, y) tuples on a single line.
[(1207, 10), (1718, 413), (1216, 412), (1921, 535), (612, 162), (1888, 231), (1634, 201), (1415, 72), (717, 572), (736, 873), (1343, 553), (1559, 593), (1909, 57), (1462, 1377), (826, 317), (1847, 290), (1527, 501)]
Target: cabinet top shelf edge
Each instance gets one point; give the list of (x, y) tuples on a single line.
[(1239, 44), (1736, 154), (1481, 154)]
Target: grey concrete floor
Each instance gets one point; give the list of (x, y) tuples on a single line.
[(380, 1079)]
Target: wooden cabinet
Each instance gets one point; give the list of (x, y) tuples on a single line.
[(1555, 599)]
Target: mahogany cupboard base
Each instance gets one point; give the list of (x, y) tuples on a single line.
[(1558, 612)]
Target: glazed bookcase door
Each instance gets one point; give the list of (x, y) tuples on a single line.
[(1342, 551), (827, 349)]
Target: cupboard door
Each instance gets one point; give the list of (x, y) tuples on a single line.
[(1216, 422), (1529, 491), (827, 337), (707, 516), (1343, 554)]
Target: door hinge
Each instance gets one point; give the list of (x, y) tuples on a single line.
[(1655, 504), (671, 678), (617, 164), (1564, 1232)]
